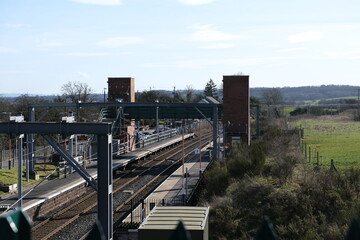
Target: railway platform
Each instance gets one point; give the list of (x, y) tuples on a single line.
[(176, 190), (40, 199)]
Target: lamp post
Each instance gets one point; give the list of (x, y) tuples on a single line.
[(19, 144), (78, 110), (157, 119)]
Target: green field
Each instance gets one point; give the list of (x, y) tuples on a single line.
[(333, 139), (10, 176)]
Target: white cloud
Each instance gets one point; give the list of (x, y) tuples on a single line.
[(8, 50), (119, 42), (275, 65), (305, 37), (15, 25), (200, 63), (53, 44), (100, 2), (206, 33), (195, 2), (219, 46), (93, 54), (337, 53), (348, 54), (292, 49), (83, 74)]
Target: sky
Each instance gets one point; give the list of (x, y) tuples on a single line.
[(163, 44)]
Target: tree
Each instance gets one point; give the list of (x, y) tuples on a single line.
[(77, 91), (272, 96), (178, 98), (5, 109), (220, 93), (211, 89), (189, 92), (22, 102)]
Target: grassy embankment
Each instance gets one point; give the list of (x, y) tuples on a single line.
[(10, 176), (333, 139)]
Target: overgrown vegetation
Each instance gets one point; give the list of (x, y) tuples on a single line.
[(271, 177)]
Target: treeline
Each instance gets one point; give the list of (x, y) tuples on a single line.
[(289, 94), (311, 92)]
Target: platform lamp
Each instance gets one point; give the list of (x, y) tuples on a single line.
[(19, 142), (70, 119), (157, 120)]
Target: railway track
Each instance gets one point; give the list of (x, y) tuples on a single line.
[(132, 185)]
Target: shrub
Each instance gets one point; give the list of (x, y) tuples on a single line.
[(217, 179), (245, 160), (223, 219), (283, 167)]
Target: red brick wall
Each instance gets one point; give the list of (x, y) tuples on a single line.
[(236, 103), (121, 88)]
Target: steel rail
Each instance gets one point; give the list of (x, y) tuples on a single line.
[(90, 201)]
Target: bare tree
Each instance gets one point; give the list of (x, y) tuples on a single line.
[(272, 96), (77, 91), (189, 92)]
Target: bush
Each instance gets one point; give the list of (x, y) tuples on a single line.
[(318, 206), (245, 160), (283, 167), (216, 180), (223, 219)]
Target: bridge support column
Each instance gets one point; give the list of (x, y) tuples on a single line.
[(30, 138), (105, 187)]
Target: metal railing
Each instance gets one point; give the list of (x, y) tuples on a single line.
[(156, 137)]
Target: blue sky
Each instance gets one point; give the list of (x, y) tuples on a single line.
[(165, 43)]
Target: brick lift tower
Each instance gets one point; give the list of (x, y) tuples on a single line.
[(122, 89), (236, 115)]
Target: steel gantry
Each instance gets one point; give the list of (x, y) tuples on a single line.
[(104, 136), (103, 185), (132, 110)]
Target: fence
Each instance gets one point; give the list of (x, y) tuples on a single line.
[(156, 137), (138, 214), (42, 154), (9, 158), (312, 155)]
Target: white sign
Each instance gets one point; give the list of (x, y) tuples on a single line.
[(197, 151)]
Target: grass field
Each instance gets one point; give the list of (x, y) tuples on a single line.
[(334, 138), (9, 176)]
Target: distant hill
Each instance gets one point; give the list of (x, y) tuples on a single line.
[(291, 94)]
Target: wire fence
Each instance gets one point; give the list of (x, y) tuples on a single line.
[(84, 150)]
